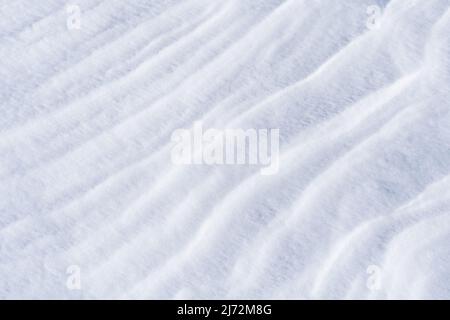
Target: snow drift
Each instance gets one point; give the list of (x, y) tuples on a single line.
[(360, 207)]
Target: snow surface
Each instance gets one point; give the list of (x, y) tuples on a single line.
[(85, 169)]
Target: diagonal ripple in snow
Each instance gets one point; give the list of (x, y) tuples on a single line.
[(85, 171)]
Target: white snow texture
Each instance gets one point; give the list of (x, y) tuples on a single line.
[(360, 207)]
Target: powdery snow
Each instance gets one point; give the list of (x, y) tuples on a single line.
[(360, 207)]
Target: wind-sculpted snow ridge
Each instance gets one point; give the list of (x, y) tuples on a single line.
[(91, 205)]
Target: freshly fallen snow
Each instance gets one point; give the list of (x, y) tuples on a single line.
[(359, 209)]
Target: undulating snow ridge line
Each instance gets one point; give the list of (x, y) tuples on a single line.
[(87, 179)]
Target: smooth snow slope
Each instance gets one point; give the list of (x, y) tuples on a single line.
[(86, 177)]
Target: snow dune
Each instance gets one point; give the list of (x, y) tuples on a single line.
[(87, 179)]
